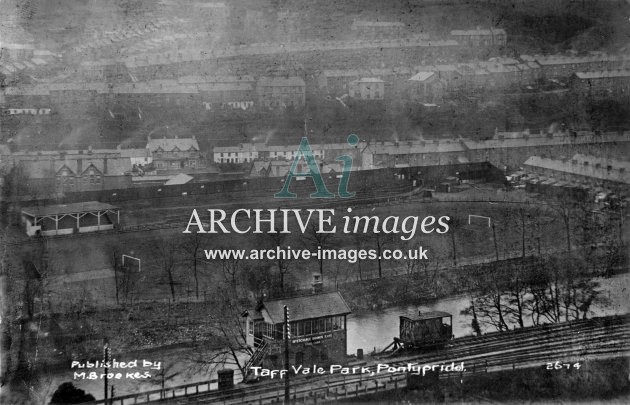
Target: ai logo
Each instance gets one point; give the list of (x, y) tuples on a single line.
[(305, 152)]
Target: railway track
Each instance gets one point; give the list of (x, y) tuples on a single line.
[(530, 347)]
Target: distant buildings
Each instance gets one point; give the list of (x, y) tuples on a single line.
[(175, 153), (563, 66), (480, 37), (581, 169), (281, 92), (602, 84), (16, 51), (505, 150), (242, 153), (323, 153), (48, 172), (367, 88), (379, 29), (426, 87)]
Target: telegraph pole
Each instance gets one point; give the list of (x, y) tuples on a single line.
[(106, 359), (287, 336)]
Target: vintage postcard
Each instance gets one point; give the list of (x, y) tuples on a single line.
[(314, 201)]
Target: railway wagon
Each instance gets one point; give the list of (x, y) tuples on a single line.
[(426, 330)]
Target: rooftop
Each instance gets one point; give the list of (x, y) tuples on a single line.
[(603, 74), (64, 209), (170, 144), (479, 31), (281, 81), (585, 169), (357, 24), (305, 307), (429, 315), (368, 80), (421, 76)]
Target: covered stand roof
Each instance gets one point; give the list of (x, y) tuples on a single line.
[(305, 307), (65, 209)]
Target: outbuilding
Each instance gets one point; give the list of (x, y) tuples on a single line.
[(318, 333), (65, 219)]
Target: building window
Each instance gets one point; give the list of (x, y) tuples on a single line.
[(268, 330), (250, 327)]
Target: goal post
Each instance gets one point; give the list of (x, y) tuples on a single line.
[(132, 259), (488, 220)]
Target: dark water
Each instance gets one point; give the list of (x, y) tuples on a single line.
[(377, 329)]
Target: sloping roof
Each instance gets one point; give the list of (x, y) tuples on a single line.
[(281, 81), (48, 167), (421, 76), (192, 79), (135, 152), (74, 208), (279, 168), (603, 74), (231, 86), (169, 144), (179, 179), (260, 165), (344, 72), (368, 80), (594, 160), (357, 24), (478, 32), (590, 170), (306, 307)]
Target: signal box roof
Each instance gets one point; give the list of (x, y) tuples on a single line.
[(65, 209), (423, 316), (305, 307)]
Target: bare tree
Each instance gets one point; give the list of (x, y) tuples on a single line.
[(380, 242), (227, 323), (319, 240), (114, 252), (455, 224), (192, 249), (166, 253), (277, 240), (564, 209)]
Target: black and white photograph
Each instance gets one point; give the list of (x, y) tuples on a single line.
[(314, 202)]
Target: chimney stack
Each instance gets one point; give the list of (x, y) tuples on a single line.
[(318, 283)]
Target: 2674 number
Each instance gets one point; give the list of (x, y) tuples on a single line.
[(560, 365)]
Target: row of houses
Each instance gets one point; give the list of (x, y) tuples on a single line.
[(504, 150), (236, 92), (45, 172), (431, 83), (251, 152), (95, 169), (16, 58), (584, 170), (602, 84), (192, 49), (100, 40)]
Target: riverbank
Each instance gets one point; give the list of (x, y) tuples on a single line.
[(431, 282)]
